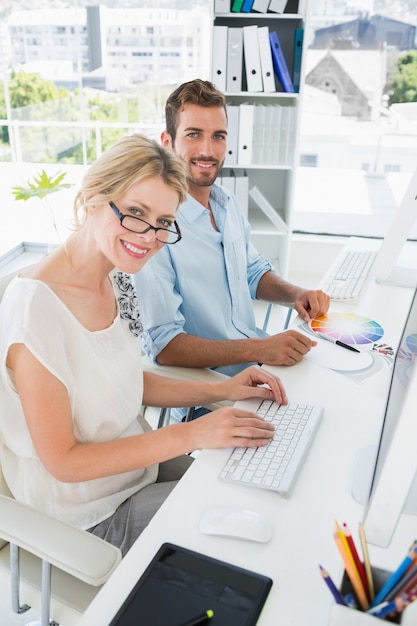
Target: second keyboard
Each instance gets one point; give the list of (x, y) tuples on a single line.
[(346, 277)]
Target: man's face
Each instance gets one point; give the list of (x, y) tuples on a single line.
[(201, 142)]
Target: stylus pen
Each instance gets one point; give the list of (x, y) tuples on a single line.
[(337, 342), (201, 619)]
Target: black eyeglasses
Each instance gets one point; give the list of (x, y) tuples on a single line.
[(137, 225)]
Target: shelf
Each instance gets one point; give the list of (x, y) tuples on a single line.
[(261, 167), (270, 98), (263, 125), (256, 17)]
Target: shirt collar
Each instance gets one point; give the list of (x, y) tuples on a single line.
[(191, 209)]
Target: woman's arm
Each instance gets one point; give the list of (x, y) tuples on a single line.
[(168, 392), (47, 409)]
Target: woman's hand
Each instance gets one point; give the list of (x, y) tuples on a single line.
[(229, 426), (253, 382)]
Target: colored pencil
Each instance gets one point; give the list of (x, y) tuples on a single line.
[(395, 606), (396, 576), (407, 582), (334, 590), (358, 562), (352, 572), (366, 562), (350, 600)]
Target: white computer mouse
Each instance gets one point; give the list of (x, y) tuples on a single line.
[(236, 523)]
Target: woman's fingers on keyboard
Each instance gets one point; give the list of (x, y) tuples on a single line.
[(253, 429)]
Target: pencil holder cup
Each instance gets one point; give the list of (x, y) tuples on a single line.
[(345, 616)]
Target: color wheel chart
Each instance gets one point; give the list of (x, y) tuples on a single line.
[(362, 333), (355, 330)]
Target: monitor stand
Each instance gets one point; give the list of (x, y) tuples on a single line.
[(362, 479), (400, 277)]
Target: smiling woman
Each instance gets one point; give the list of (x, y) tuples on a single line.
[(71, 375)]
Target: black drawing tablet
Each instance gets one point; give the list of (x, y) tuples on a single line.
[(180, 584)]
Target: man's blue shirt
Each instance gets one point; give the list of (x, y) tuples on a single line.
[(204, 284)]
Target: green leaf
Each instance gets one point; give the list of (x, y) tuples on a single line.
[(41, 186)]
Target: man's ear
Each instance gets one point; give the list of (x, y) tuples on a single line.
[(166, 139)]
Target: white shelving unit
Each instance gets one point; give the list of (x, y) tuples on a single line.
[(276, 177)]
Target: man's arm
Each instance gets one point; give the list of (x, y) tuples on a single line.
[(186, 350), (309, 303)]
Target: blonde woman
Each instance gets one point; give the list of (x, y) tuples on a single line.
[(72, 441)]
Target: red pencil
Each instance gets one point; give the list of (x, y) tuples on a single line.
[(352, 572), (358, 562)]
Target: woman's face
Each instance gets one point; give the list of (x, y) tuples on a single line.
[(151, 200)]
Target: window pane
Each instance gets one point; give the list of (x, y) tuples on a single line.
[(358, 135), (79, 77)]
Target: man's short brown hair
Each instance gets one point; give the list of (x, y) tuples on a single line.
[(203, 93)]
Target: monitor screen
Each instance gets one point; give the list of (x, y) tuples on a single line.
[(386, 268), (392, 489)]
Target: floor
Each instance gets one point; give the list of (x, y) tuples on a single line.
[(9, 618)]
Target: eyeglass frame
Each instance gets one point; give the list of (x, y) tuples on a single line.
[(121, 217)]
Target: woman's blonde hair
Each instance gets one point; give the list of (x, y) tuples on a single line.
[(129, 161)]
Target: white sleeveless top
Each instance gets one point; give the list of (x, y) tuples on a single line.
[(102, 372)]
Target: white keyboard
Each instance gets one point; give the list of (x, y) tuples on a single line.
[(347, 275), (276, 465)]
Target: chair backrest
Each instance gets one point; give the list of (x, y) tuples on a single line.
[(4, 489), (4, 281)]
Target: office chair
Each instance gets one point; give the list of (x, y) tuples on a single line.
[(268, 315), (49, 565)]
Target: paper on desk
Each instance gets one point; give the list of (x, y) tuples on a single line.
[(357, 366)]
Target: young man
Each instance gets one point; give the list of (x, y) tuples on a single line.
[(199, 309)]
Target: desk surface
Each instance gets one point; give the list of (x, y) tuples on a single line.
[(304, 522)]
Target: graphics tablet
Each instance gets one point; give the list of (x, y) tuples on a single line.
[(180, 584)]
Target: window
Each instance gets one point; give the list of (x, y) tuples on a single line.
[(92, 74), (157, 50), (125, 58), (357, 152)]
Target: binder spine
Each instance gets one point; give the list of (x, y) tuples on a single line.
[(252, 58), (280, 64), (297, 57), (237, 6), (268, 76), (234, 60), (219, 57), (260, 6), (221, 6), (247, 6)]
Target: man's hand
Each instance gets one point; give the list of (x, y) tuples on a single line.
[(285, 348), (311, 304)]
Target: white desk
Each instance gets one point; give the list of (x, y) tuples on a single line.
[(303, 524)]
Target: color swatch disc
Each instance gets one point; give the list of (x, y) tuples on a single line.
[(352, 329)]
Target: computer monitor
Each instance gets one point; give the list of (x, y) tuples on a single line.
[(391, 477), (384, 268)]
